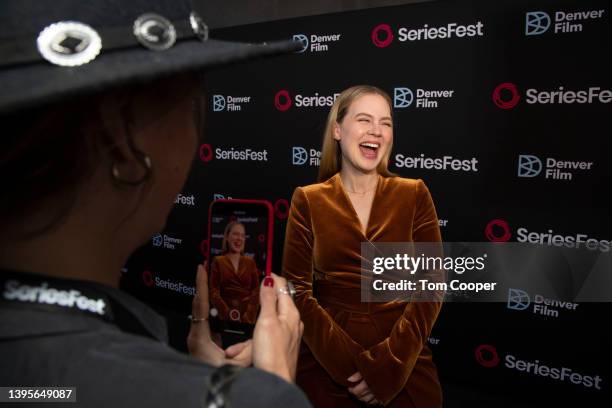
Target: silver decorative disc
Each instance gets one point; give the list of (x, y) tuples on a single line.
[(154, 32), (69, 43)]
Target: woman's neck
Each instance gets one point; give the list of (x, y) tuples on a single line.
[(357, 182), (233, 255)]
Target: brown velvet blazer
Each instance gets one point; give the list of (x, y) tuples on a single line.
[(231, 289), (386, 342)]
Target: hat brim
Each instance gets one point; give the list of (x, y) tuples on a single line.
[(32, 85)]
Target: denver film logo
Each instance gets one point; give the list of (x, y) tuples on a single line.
[(486, 355), (228, 103), (536, 22), (498, 230), (218, 103), (402, 97), (157, 240), (506, 95), (300, 156), (165, 241), (282, 100), (382, 35), (539, 22), (518, 299), (530, 166), (302, 39), (423, 98), (315, 42)]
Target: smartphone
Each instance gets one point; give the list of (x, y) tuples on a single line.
[(239, 258)]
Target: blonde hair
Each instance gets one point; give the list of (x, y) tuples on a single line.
[(226, 233), (331, 155)]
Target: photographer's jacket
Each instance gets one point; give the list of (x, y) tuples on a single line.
[(111, 347)]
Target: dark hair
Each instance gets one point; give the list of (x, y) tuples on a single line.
[(51, 151), (45, 152)]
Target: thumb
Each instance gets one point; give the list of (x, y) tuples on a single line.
[(235, 349)]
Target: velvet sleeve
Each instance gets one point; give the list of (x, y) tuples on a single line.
[(251, 311), (328, 342), (387, 365), (215, 290)]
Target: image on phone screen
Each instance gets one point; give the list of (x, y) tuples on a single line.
[(239, 257)]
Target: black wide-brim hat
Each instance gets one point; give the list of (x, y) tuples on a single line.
[(55, 50)]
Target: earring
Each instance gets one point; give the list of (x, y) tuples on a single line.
[(144, 160)]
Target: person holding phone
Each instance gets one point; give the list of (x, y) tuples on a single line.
[(234, 278), (101, 116), (355, 353)]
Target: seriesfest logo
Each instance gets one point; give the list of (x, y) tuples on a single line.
[(530, 166), (444, 163), (539, 22), (186, 200), (498, 230), (382, 35), (506, 96), (226, 103), (301, 156), (520, 300), (152, 281), (283, 100), (207, 152), (487, 356), (315, 42)]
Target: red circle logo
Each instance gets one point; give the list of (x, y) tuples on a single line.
[(493, 236), (206, 153), (486, 355), (387, 37), (503, 102), (282, 100), (234, 315), (147, 278), (281, 208)]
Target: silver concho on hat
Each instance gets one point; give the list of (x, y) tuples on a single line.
[(154, 31), (69, 43), (198, 26)]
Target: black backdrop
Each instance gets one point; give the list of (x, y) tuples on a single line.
[(517, 45)]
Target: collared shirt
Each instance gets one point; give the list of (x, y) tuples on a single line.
[(116, 358)]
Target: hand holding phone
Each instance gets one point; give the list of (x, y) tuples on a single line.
[(240, 248)]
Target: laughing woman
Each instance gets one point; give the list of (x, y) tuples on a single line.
[(355, 353), (234, 279)]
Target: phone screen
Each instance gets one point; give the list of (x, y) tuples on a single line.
[(239, 258)]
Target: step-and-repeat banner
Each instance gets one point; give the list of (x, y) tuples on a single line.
[(503, 109)]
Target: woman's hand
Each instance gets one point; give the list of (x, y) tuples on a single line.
[(278, 331), (361, 389), (199, 340)]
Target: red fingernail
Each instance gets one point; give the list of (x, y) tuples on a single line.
[(269, 282)]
